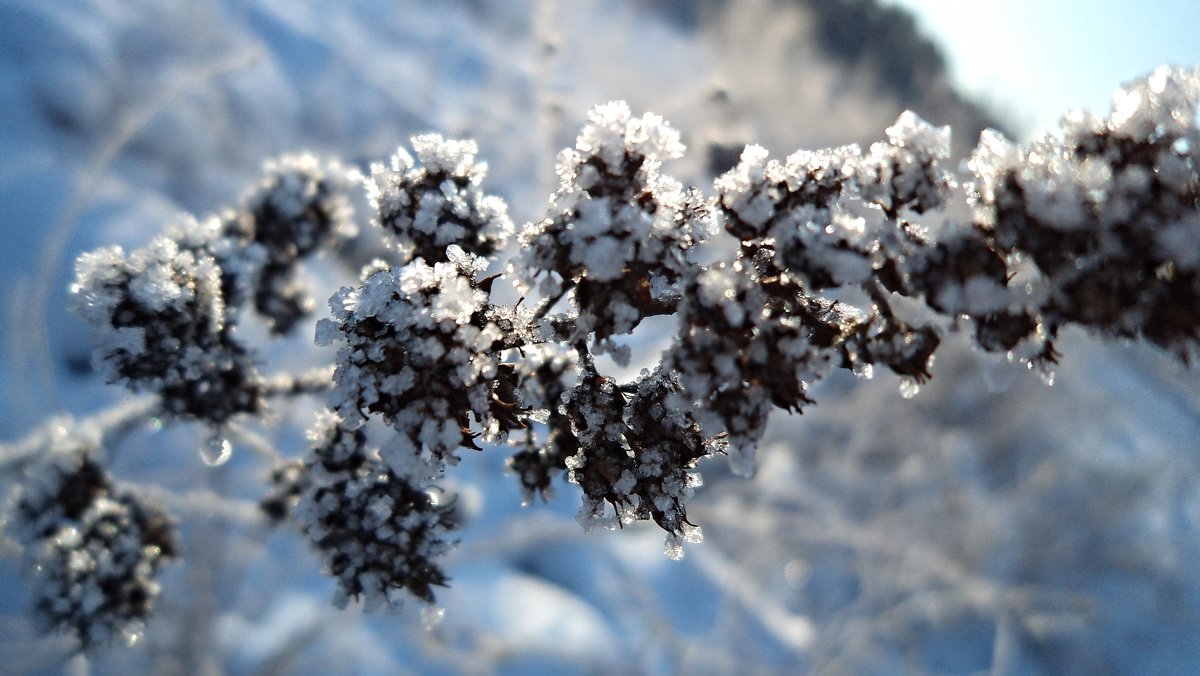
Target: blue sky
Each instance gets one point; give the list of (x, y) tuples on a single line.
[(1032, 60)]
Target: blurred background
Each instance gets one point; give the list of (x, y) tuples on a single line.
[(991, 524)]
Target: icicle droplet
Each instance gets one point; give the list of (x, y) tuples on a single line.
[(674, 547), (431, 616), (1047, 375), (216, 451), (742, 460), (132, 635), (909, 387), (864, 370), (998, 375)]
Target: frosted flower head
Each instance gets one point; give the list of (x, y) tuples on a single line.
[(635, 452), (95, 550), (419, 346), (158, 317), (617, 227), (794, 208), (905, 172), (437, 201), (612, 130), (1102, 210), (96, 579), (751, 340), (301, 206), (379, 534)]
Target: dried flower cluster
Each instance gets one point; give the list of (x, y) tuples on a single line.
[(378, 532), (95, 549), (164, 317), (1107, 213), (829, 268), (427, 205), (637, 454), (299, 209), (620, 232)]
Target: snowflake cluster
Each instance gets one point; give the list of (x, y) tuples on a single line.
[(95, 550), (424, 206)]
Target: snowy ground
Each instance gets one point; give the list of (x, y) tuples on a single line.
[(990, 523)]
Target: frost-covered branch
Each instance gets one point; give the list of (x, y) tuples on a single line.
[(836, 259)]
